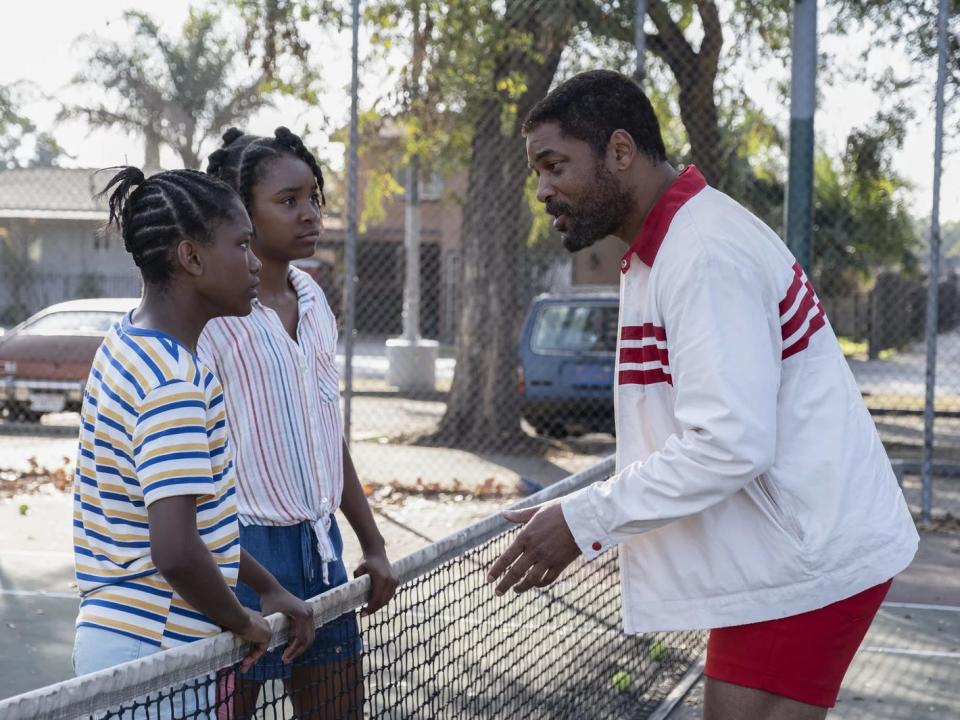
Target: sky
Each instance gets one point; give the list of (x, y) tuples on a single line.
[(46, 54)]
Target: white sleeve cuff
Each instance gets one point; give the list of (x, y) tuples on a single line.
[(585, 526)]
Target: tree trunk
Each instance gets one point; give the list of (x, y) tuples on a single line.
[(189, 158), (151, 150), (696, 74), (698, 111), (483, 409)]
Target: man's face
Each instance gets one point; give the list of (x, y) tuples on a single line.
[(584, 196)]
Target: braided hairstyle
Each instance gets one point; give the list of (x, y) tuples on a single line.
[(241, 160), (153, 214)]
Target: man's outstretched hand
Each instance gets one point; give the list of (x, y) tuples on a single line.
[(540, 552)]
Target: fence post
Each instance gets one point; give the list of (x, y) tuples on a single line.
[(933, 278), (640, 40), (803, 98), (350, 255)]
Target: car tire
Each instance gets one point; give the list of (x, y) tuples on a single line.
[(551, 430), (23, 414)]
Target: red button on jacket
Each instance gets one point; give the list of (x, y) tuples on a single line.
[(597, 546)]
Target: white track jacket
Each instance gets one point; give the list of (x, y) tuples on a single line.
[(751, 482)]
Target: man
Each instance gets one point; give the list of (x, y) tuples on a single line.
[(752, 493)]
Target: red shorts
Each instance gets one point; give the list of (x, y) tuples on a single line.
[(802, 657)]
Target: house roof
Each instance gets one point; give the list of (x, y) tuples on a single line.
[(54, 193)]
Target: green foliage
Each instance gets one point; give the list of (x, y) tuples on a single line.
[(910, 25), (452, 57), (860, 218), (380, 188), (950, 238)]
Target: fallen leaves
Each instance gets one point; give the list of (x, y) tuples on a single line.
[(35, 479)]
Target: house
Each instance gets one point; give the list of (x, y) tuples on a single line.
[(380, 257), (53, 246)]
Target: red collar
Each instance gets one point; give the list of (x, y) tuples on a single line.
[(687, 184)]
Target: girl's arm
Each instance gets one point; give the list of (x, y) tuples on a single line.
[(383, 581), (275, 599), (185, 562)]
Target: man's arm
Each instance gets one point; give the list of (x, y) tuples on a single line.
[(725, 365), (383, 581)]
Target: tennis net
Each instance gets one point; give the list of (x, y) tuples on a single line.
[(445, 647)]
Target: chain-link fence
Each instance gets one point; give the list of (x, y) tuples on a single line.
[(521, 382), (483, 356), (481, 360)]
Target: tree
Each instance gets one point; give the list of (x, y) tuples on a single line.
[(912, 26), (487, 62), (18, 132), (179, 93)]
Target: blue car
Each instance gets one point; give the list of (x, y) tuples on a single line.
[(567, 351)]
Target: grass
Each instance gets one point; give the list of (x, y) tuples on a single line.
[(859, 349)]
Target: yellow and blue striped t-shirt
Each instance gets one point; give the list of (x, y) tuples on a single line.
[(152, 426)]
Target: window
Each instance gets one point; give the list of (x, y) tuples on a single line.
[(576, 328), (431, 184), (431, 187), (76, 321)]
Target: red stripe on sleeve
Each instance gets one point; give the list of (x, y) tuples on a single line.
[(646, 353), (639, 332), (644, 377), (792, 291), (818, 321)]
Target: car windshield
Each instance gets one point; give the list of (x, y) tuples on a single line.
[(576, 328), (74, 321)]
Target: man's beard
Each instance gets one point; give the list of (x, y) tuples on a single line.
[(600, 213)]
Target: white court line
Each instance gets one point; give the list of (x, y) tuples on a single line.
[(922, 606), (39, 593), (912, 653)]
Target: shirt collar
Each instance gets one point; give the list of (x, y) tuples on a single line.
[(647, 243), (301, 286)]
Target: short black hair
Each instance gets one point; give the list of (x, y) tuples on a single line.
[(241, 159), (591, 105), (154, 213)]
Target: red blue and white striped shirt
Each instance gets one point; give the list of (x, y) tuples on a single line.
[(283, 405), (152, 427)]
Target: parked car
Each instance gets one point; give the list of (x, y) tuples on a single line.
[(45, 361), (567, 351)]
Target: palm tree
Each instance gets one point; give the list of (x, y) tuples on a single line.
[(175, 92)]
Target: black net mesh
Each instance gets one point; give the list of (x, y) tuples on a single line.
[(448, 647)]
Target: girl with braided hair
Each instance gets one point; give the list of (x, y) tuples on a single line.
[(156, 535), (282, 397)]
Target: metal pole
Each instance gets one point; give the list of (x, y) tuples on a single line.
[(350, 259), (803, 97), (640, 41), (411, 241), (933, 278)]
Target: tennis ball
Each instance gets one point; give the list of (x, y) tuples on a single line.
[(622, 681), (23, 509), (657, 650)]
